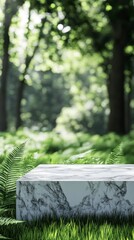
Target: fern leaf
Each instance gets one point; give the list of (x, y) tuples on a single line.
[(4, 221), (2, 237), (10, 172)]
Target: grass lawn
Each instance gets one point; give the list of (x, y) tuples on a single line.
[(72, 230), (43, 148)]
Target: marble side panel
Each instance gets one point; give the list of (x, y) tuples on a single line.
[(36, 199)]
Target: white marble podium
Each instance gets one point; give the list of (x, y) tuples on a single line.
[(75, 190)]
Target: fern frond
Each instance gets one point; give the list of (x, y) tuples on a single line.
[(10, 172), (116, 156), (4, 221), (2, 237), (3, 210)]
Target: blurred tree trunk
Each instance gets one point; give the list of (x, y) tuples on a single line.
[(128, 109), (22, 82), (117, 79), (10, 10), (5, 66)]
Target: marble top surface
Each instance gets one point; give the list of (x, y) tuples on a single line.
[(80, 172)]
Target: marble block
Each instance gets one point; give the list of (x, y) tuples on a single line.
[(75, 190)]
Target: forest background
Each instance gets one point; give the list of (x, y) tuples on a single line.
[(67, 65)]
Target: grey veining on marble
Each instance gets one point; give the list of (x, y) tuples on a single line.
[(81, 172), (75, 190)]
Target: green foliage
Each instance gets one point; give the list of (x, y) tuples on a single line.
[(2, 237), (8, 221), (9, 172), (64, 63), (65, 148), (74, 229), (45, 99)]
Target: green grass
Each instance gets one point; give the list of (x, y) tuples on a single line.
[(53, 148), (72, 230)]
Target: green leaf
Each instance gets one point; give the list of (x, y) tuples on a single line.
[(10, 172)]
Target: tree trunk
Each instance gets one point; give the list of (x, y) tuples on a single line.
[(117, 79), (9, 11), (127, 108), (19, 99), (5, 66), (22, 83)]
